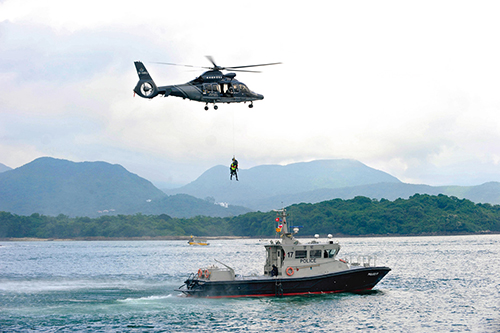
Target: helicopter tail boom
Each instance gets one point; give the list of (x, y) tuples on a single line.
[(146, 87)]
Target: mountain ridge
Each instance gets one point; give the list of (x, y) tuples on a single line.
[(267, 181), (53, 186), (375, 184), (4, 168)]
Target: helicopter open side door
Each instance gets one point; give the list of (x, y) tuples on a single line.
[(211, 89)]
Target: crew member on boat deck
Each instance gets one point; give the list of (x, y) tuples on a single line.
[(233, 168), (274, 271)]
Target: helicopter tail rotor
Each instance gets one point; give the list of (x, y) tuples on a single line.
[(146, 87)]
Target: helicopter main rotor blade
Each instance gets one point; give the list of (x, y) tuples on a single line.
[(218, 68), (211, 59), (242, 70), (273, 63), (172, 64)]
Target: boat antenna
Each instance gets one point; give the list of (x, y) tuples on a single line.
[(230, 268)]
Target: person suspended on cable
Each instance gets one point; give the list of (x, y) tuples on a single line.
[(233, 168)]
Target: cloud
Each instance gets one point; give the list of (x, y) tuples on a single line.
[(409, 88)]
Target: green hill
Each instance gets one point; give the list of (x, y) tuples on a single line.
[(52, 186), (419, 215)]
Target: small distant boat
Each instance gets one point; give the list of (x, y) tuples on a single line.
[(197, 241), (291, 268)]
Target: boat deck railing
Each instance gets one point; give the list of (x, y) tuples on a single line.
[(363, 261)]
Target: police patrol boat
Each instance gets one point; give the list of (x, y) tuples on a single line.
[(291, 268)]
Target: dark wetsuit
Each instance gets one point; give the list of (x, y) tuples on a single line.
[(233, 168)]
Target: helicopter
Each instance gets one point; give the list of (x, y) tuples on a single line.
[(212, 86)]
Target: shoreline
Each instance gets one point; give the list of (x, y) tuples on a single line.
[(144, 238), (186, 238)]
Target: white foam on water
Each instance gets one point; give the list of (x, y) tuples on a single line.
[(145, 299), (33, 286), (38, 286)]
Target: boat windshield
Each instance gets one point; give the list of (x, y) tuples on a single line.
[(330, 253)]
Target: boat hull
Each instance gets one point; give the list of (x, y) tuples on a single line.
[(351, 280)]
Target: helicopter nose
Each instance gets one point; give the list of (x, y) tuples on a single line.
[(259, 96)]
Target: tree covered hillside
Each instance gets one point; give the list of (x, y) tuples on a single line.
[(421, 214)]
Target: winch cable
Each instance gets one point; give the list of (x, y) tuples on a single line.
[(233, 133)]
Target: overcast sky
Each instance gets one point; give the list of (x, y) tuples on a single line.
[(411, 88)]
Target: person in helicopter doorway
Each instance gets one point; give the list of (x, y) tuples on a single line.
[(274, 271), (233, 168)]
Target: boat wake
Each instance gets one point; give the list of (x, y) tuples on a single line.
[(146, 299)]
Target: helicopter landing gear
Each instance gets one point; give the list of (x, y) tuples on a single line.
[(251, 105), (206, 107)]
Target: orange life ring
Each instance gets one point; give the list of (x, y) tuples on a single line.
[(289, 271), (200, 273), (207, 274)]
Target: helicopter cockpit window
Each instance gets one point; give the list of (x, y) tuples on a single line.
[(207, 88)]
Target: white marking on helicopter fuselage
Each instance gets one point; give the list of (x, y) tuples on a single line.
[(212, 77)]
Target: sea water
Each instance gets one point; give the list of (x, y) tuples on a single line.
[(437, 284)]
